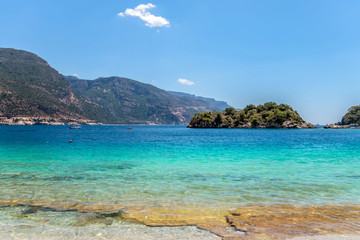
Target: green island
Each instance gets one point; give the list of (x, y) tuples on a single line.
[(267, 115), (352, 116), (350, 120)]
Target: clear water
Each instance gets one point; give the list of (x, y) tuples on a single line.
[(168, 171), (173, 165)]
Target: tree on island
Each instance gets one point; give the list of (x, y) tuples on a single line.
[(352, 116)]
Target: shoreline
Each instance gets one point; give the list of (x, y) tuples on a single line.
[(245, 222), (25, 121), (128, 231)]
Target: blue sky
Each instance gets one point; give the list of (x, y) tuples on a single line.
[(304, 53)]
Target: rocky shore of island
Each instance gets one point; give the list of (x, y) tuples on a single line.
[(284, 125), (342, 126)]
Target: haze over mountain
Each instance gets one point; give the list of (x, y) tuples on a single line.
[(30, 87), (217, 105)]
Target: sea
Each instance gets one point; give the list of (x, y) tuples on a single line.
[(173, 182)]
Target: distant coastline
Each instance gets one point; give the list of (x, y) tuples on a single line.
[(34, 93), (44, 121)]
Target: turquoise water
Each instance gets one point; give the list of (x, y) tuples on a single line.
[(173, 165)]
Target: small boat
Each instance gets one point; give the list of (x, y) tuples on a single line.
[(128, 128), (74, 127)]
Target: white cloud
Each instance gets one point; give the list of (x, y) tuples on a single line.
[(185, 81), (75, 75), (141, 12)]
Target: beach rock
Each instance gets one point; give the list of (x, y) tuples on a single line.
[(246, 222), (283, 221), (207, 219), (30, 210)]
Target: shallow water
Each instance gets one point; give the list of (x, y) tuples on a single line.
[(175, 167), (62, 226)]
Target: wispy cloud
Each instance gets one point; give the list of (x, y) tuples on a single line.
[(75, 75), (185, 81), (142, 12)]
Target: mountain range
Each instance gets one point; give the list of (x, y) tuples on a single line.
[(31, 89)]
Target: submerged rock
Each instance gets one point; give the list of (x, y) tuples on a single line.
[(30, 210), (93, 218), (284, 221)]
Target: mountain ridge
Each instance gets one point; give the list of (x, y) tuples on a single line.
[(32, 92), (128, 100)]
